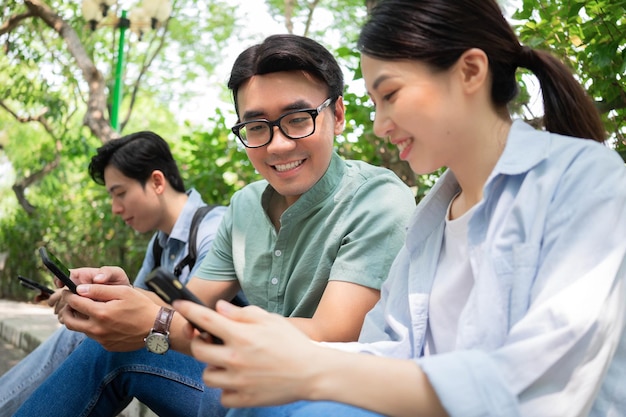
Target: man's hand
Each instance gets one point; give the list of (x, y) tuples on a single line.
[(118, 317), (56, 300), (112, 275)]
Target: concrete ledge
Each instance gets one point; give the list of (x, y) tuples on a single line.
[(26, 325)]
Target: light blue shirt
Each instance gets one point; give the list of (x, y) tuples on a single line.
[(545, 317), (175, 245)]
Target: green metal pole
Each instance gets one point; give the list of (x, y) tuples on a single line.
[(119, 68)]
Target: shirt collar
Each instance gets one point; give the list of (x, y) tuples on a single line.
[(320, 190), (180, 231), (525, 148)]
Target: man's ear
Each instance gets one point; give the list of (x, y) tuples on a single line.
[(474, 69), (340, 116), (158, 181)]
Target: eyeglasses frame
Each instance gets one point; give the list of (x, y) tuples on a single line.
[(314, 112)]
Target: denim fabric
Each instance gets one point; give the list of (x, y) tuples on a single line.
[(20, 381), (302, 409), (170, 384)]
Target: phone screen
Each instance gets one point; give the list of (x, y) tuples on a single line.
[(57, 268), (59, 265)]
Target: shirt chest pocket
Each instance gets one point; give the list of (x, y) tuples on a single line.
[(516, 269)]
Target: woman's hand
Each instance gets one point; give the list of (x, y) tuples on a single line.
[(264, 360)]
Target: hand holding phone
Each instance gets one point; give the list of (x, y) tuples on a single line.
[(46, 292), (57, 268), (169, 289)]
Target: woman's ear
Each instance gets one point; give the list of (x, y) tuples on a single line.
[(474, 69)]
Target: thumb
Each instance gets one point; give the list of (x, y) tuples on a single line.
[(101, 292)]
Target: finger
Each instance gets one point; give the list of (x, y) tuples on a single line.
[(54, 298), (58, 307), (203, 317), (83, 275), (111, 275), (216, 377), (75, 320), (204, 350), (100, 292), (189, 331), (248, 314), (91, 296)]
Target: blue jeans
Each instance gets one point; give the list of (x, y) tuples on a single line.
[(21, 380), (95, 382), (303, 409)]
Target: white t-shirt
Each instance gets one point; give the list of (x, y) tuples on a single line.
[(451, 287)]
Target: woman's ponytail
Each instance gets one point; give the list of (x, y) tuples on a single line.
[(568, 110)]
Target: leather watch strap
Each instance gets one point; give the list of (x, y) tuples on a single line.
[(163, 320)]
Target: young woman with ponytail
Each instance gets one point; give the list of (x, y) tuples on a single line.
[(509, 296)]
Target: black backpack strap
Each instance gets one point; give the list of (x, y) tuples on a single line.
[(157, 251), (190, 259)]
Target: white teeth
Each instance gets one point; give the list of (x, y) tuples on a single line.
[(402, 145), (287, 167)]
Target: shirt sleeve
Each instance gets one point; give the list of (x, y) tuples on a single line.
[(217, 264), (207, 233), (374, 231)]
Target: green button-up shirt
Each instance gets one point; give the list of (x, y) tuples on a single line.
[(348, 227)]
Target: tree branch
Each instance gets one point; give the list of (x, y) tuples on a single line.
[(14, 21), (95, 118), (311, 5), (19, 188), (149, 59), (289, 5)]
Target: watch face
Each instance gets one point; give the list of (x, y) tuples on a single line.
[(157, 343)]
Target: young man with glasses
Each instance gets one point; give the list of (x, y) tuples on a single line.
[(313, 242)]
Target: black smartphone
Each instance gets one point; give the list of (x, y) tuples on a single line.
[(57, 268), (34, 285), (165, 284)]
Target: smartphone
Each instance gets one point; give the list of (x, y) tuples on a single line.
[(165, 284), (34, 285), (57, 268)]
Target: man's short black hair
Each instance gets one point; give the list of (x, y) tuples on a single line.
[(136, 156)]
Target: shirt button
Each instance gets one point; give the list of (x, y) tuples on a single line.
[(277, 252), (274, 281), (172, 257)]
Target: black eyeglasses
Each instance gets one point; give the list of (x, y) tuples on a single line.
[(296, 124)]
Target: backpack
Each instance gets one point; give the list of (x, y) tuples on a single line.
[(190, 259)]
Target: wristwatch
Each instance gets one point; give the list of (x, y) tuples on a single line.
[(158, 340)]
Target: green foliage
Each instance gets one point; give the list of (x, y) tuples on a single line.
[(73, 219), (213, 162), (40, 80), (591, 38)]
